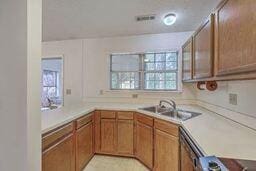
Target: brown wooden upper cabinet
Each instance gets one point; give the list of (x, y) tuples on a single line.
[(235, 37), (203, 50), (187, 60)]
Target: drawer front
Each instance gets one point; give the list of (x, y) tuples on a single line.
[(108, 114), (167, 127), (83, 121), (125, 115), (52, 137), (144, 119)]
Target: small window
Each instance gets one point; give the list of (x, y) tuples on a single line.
[(145, 71), (51, 93)]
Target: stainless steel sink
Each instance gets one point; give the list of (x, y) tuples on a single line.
[(156, 109), (177, 114)]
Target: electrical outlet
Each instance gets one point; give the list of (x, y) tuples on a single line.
[(233, 99), (68, 91), (135, 96), (101, 92)]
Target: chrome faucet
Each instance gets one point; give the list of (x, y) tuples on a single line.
[(170, 102)]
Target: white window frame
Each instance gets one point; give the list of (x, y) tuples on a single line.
[(142, 72)]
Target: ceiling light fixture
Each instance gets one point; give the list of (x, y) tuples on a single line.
[(169, 19)]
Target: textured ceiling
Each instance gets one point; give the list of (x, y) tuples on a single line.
[(72, 19)]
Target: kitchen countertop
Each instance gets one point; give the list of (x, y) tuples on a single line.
[(214, 134)]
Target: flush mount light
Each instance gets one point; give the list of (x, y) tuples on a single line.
[(169, 19)]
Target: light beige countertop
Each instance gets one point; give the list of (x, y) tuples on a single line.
[(214, 134)]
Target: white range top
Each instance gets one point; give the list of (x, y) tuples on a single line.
[(214, 134)]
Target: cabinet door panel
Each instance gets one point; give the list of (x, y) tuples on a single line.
[(166, 152), (235, 37), (187, 60), (108, 136), (84, 145), (203, 51), (144, 144), (60, 157), (125, 137)]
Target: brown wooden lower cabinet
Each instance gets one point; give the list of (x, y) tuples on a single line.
[(166, 152), (144, 144), (60, 157), (108, 136), (152, 141), (125, 132), (84, 145)]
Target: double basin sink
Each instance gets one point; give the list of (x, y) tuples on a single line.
[(172, 113)]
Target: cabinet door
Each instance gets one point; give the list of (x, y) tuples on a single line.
[(186, 164), (235, 37), (84, 145), (125, 137), (166, 152), (187, 60), (108, 136), (203, 51), (97, 131), (144, 144), (60, 157)]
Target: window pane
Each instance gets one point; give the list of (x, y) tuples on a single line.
[(160, 66), (125, 63), (149, 85), (150, 76), (160, 57), (172, 56), (150, 57), (149, 66), (171, 65), (160, 76), (159, 85), (171, 85), (125, 80), (170, 76), (49, 78)]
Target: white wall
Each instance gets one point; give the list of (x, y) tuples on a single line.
[(245, 110), (20, 51), (72, 52), (86, 66), (96, 65)]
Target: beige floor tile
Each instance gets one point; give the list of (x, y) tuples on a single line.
[(109, 163)]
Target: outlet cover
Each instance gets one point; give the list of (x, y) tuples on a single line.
[(233, 99), (68, 91), (135, 96)]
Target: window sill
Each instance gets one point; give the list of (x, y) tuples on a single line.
[(143, 91)]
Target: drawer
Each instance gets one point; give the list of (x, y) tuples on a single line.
[(144, 119), (108, 114), (83, 120), (125, 115), (56, 135), (167, 127)]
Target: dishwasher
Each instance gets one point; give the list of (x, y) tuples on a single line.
[(189, 153)]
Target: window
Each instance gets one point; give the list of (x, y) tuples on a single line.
[(50, 83), (146, 71), (51, 94)]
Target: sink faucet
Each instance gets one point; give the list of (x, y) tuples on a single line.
[(170, 102)]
